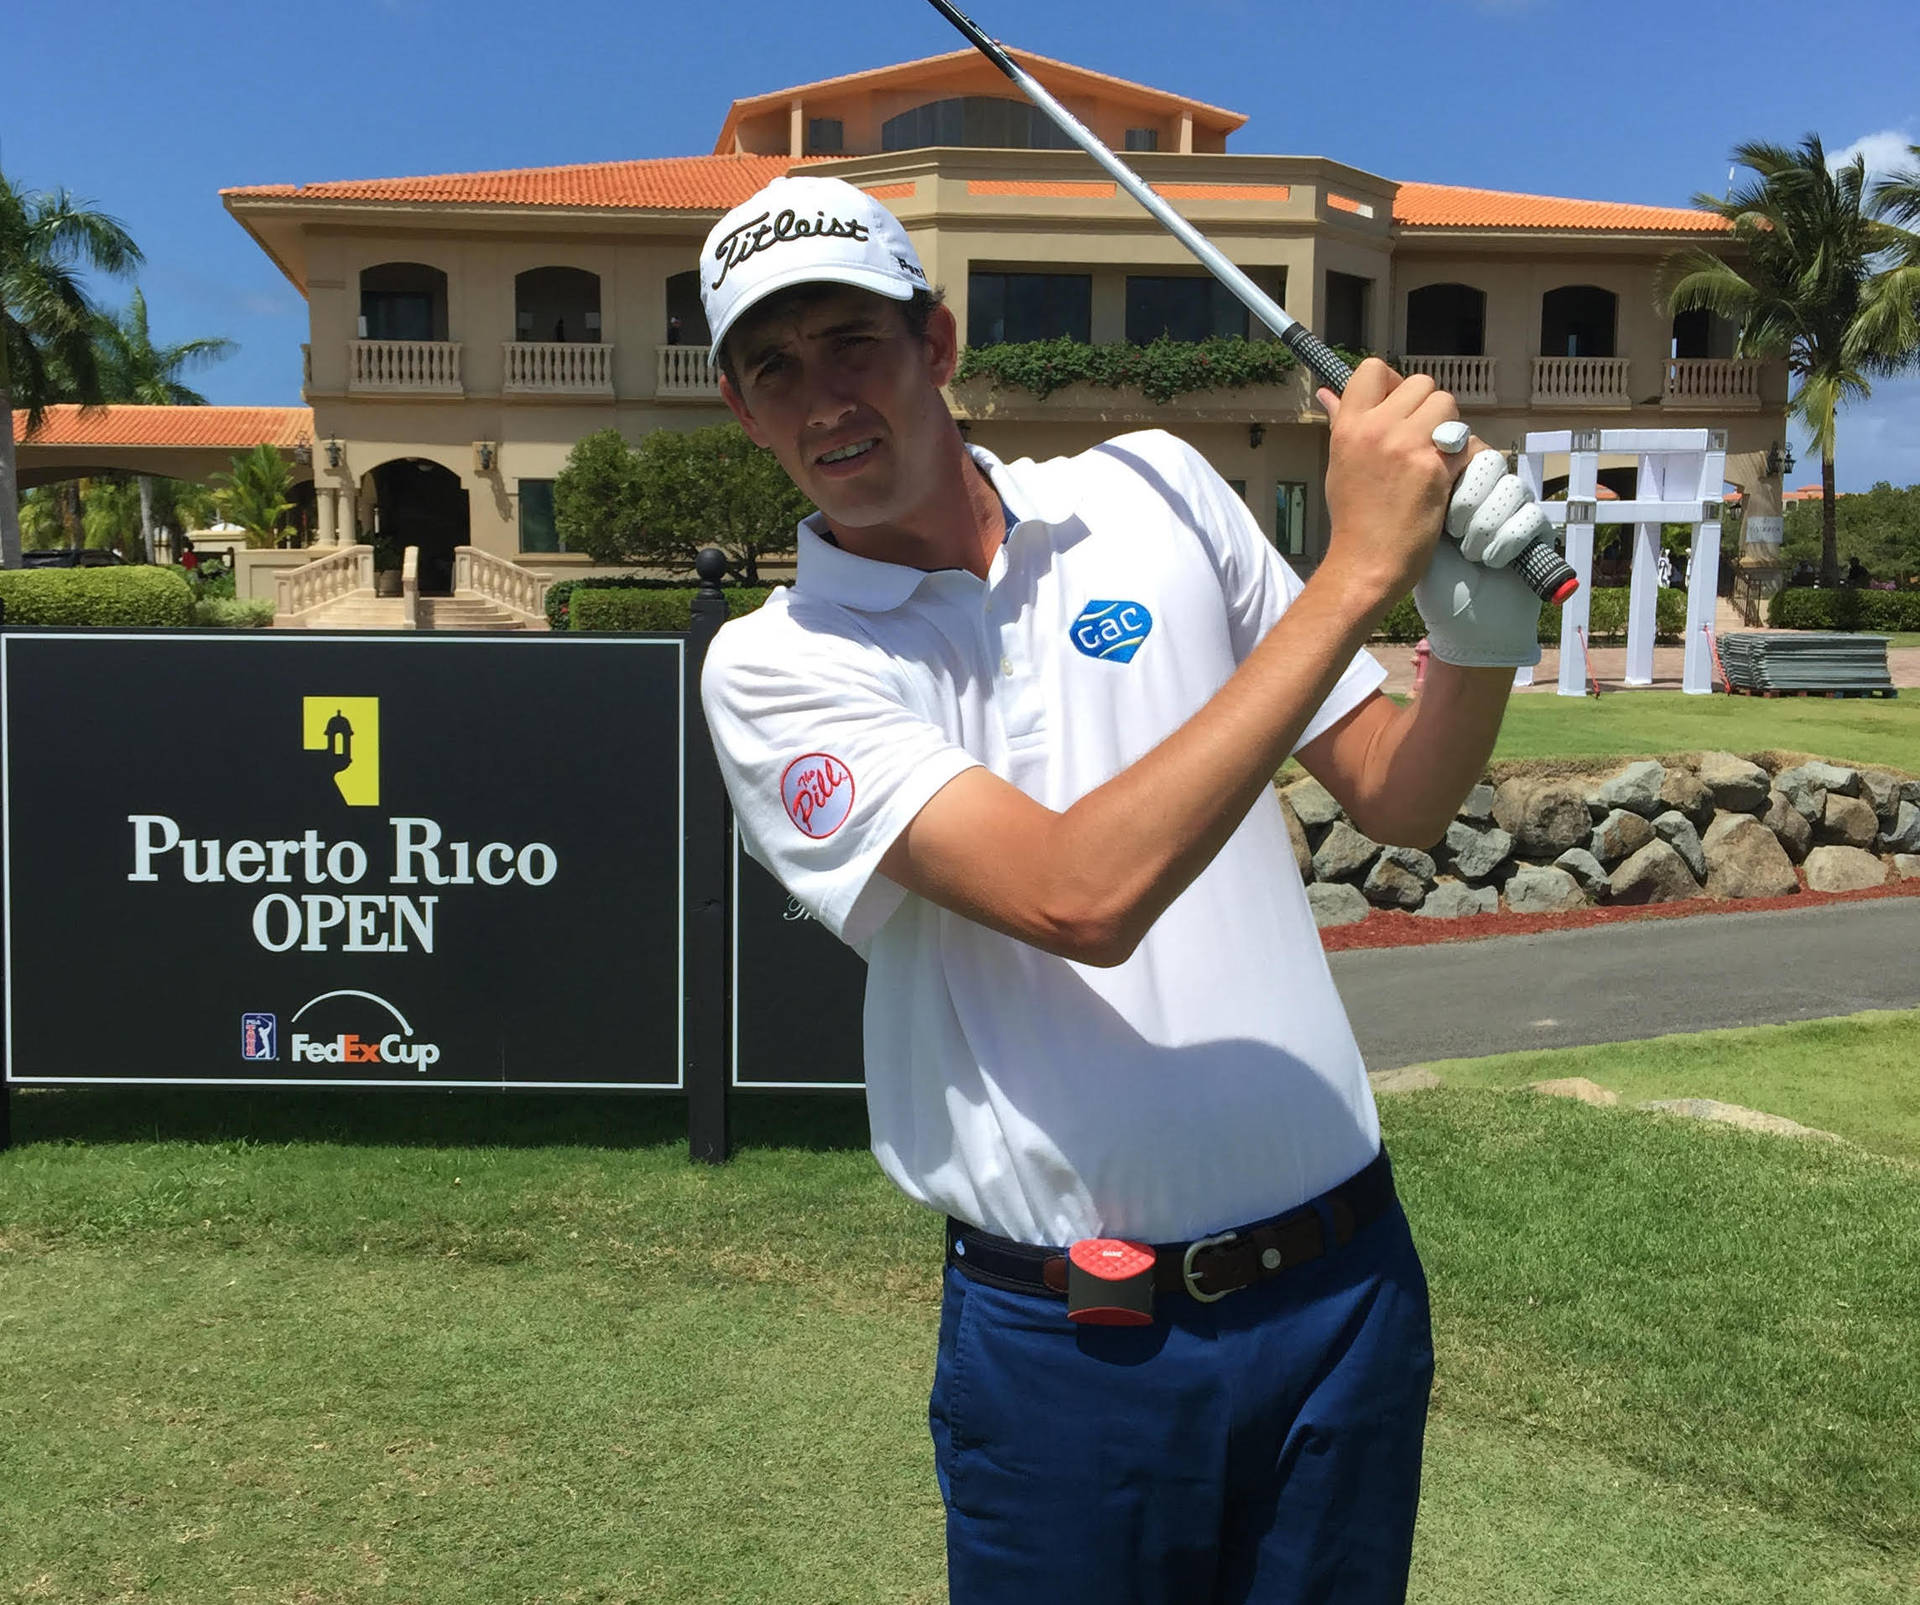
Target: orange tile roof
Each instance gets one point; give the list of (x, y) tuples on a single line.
[(1051, 189), (668, 183), (1225, 192), (1450, 206), (240, 428)]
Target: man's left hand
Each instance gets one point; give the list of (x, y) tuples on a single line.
[(1478, 613)]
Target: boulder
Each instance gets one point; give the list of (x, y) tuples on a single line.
[(1390, 886), (1476, 854), (1688, 794), (1413, 861), (1809, 799), (1586, 869), (1655, 874), (1578, 1088), (1313, 803), (1738, 786), (1544, 817), (1297, 834), (1450, 900), (1620, 835), (1906, 866), (1343, 854), (1745, 859), (1910, 792), (1833, 777), (1537, 890), (1881, 792), (1636, 788), (1844, 869), (1789, 825), (1903, 835), (1733, 1114), (1407, 1078), (1676, 830), (1478, 808), (1846, 822), (1335, 903)]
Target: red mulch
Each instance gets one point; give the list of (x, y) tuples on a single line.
[(1392, 928)]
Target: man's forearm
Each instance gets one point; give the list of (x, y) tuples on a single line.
[(1431, 755)]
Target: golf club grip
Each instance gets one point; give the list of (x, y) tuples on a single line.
[(1547, 573), (1319, 356)]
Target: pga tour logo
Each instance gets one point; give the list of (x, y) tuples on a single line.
[(818, 792), (260, 1039), (1112, 630)]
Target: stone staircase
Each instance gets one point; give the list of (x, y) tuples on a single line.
[(469, 613), (362, 610)]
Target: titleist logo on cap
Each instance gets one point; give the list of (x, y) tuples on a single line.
[(757, 235)]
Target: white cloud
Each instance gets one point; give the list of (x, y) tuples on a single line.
[(1885, 150)]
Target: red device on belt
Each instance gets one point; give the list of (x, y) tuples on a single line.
[(1110, 1282)]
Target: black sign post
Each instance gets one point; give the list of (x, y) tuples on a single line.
[(708, 830)]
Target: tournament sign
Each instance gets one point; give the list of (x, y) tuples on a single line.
[(797, 991), (298, 859)]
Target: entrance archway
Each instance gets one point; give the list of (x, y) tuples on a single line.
[(419, 503)]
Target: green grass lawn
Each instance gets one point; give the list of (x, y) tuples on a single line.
[(450, 1348), (1861, 730)]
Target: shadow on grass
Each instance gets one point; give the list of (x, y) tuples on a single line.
[(409, 1117)]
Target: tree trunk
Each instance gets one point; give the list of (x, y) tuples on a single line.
[(1829, 528), (9, 474), (146, 515)]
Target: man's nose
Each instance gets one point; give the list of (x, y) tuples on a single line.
[(830, 395)]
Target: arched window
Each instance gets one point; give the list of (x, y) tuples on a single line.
[(557, 303), (403, 301), (977, 120), (686, 317), (1447, 320), (1701, 333), (1577, 320)]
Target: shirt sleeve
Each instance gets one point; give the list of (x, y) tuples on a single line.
[(1259, 585), (825, 765)]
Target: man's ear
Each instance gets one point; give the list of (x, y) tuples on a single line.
[(942, 343), (739, 409)]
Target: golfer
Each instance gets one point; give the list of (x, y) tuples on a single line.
[(1012, 735)]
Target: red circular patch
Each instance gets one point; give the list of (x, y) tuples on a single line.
[(817, 790)]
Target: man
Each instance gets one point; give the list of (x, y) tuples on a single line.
[(1012, 734)]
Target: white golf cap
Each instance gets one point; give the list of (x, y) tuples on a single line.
[(803, 231)]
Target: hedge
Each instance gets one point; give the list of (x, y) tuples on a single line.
[(1804, 608), (138, 596), (597, 607), (560, 593), (1606, 617), (223, 613)]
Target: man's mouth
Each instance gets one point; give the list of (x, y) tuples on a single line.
[(841, 454)]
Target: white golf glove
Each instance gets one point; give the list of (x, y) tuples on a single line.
[(1478, 613)]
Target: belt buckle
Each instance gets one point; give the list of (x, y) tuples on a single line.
[(1186, 1267)]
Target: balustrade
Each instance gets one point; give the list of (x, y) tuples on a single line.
[(494, 578), (1467, 379), (559, 367), (684, 371), (409, 367), (1722, 383), (325, 579), (1580, 382)]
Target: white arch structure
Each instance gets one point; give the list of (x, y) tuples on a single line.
[(1682, 475)]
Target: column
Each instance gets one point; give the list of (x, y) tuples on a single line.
[(347, 534), (326, 503)]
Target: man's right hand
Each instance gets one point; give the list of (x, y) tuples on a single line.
[(1387, 483)]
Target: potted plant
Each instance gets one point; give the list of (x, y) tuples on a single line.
[(387, 558)]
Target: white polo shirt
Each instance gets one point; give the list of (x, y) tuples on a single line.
[(1210, 1080)]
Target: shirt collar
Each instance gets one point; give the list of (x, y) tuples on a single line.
[(1029, 492)]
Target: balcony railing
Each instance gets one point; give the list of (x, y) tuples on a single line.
[(1580, 382), (1718, 384), (404, 367), (1469, 380), (559, 368), (684, 371)]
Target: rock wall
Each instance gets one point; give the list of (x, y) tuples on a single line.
[(1716, 825)]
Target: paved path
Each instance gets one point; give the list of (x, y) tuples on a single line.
[(1613, 983), (1610, 664)]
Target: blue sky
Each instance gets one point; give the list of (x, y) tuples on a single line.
[(149, 109)]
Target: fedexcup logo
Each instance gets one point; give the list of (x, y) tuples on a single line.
[(1112, 630), (350, 1047)]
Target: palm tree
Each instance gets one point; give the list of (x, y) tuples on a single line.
[(256, 494), (1829, 280), (133, 369), (47, 324)]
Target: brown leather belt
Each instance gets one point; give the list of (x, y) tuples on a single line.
[(1207, 1268)]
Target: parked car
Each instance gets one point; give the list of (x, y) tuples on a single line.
[(71, 557)]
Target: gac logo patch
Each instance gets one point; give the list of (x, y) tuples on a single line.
[(1112, 630), (818, 792)]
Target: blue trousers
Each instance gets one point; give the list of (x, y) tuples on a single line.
[(1265, 1448)]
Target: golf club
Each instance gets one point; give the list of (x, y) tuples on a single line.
[(1544, 570)]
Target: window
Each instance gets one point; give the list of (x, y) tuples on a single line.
[(1576, 320), (1346, 314), (826, 136), (403, 301), (1184, 308), (1290, 518), (558, 304), (1446, 320), (1238, 487), (976, 120), (537, 532), (1006, 308), (686, 315), (1143, 139)]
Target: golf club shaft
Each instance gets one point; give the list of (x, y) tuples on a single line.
[(1543, 569)]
